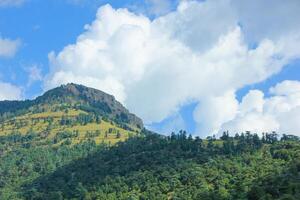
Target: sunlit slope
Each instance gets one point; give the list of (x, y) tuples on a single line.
[(70, 114), (50, 126)]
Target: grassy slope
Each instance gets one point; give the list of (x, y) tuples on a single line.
[(38, 123)]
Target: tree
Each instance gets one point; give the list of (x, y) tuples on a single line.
[(271, 138), (225, 136), (289, 138)]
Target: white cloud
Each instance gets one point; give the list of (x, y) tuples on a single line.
[(196, 53), (4, 3), (279, 112), (8, 47), (286, 88), (252, 102), (9, 92), (209, 122), (289, 121), (254, 122)]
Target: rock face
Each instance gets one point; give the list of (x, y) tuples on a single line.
[(92, 99)]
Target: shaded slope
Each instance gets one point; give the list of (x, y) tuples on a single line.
[(155, 167)]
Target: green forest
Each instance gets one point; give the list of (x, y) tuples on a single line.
[(151, 166)]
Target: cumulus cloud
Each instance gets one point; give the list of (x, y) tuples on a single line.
[(205, 113), (4, 3), (8, 47), (280, 112), (252, 102), (9, 92), (199, 52), (286, 88)]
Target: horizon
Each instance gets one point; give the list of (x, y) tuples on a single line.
[(201, 66)]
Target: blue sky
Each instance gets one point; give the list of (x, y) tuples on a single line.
[(196, 29)]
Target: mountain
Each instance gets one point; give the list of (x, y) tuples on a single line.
[(70, 109), (92, 100), (76, 142), (76, 96)]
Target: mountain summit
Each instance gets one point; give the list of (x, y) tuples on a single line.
[(98, 101)]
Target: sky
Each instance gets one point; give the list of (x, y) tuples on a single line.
[(204, 66)]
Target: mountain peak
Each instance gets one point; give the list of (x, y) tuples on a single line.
[(72, 90), (99, 101)]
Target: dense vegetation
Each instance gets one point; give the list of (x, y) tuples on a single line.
[(152, 167)]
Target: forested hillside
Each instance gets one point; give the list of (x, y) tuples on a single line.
[(79, 143), (151, 166), (63, 124)]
